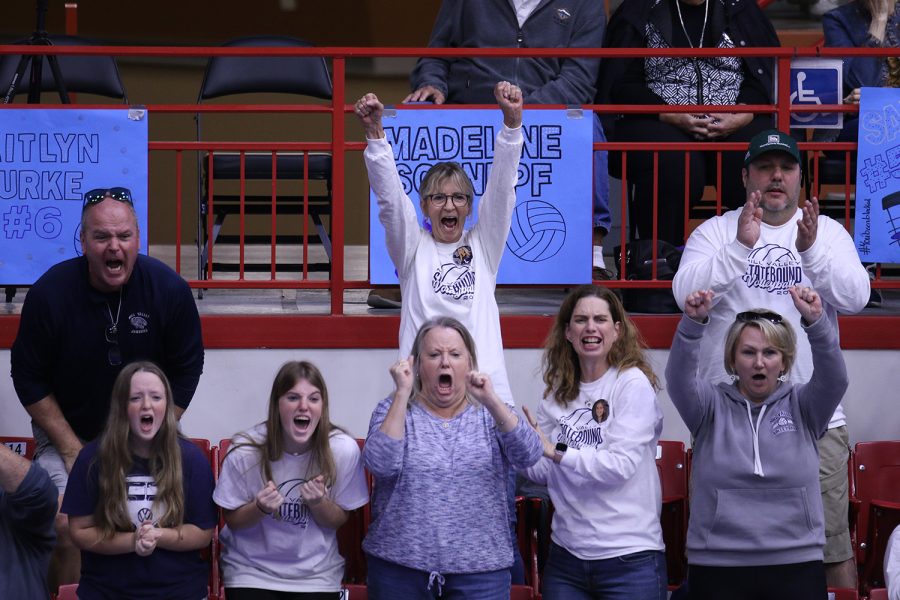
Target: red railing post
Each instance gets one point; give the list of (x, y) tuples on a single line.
[(210, 223), (178, 208), (687, 192), (71, 18), (306, 215), (242, 216), (273, 255), (337, 169), (783, 93), (655, 214)]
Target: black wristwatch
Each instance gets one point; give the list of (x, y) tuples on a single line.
[(560, 450)]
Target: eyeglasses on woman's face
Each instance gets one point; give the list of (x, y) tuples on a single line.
[(440, 200)]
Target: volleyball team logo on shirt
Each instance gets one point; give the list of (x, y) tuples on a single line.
[(456, 279), (293, 510), (140, 322), (782, 422), (584, 426), (772, 268)]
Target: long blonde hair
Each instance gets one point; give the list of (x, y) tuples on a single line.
[(114, 459), (560, 365), (270, 450)]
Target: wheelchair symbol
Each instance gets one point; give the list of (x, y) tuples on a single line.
[(804, 96)]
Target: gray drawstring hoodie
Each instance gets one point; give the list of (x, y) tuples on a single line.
[(755, 496)]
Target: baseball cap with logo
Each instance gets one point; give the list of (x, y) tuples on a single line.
[(769, 141)]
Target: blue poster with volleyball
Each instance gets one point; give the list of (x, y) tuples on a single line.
[(877, 226), (550, 235), (48, 159)]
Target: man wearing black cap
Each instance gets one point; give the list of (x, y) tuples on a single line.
[(82, 321), (749, 258)]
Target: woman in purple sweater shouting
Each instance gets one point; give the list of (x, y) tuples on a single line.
[(440, 448)]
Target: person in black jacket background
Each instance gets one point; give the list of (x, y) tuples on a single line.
[(664, 80)]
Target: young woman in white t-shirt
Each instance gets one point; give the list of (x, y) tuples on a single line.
[(286, 486)]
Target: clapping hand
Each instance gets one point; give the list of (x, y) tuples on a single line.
[(313, 491), (750, 220), (808, 225), (145, 538), (269, 499), (698, 304), (807, 302), (549, 448)]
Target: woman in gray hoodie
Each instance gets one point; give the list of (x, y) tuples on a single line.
[(756, 527)]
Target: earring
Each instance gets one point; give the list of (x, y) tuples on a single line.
[(783, 377), (734, 377)]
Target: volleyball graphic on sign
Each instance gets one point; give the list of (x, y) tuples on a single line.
[(537, 232)]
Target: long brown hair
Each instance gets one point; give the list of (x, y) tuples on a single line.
[(560, 365), (114, 459), (270, 450)]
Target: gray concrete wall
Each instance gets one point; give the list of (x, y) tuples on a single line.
[(235, 386)]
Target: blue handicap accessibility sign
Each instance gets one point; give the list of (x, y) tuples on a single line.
[(816, 81)]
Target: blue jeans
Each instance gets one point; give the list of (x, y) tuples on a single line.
[(602, 218), (638, 576), (390, 581)]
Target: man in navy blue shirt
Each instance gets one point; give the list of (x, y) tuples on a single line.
[(87, 317)]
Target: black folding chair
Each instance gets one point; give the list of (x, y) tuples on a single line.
[(228, 75)]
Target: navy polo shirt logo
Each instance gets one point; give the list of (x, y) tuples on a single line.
[(140, 322)]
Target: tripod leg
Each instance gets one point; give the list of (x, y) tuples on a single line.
[(34, 85), (58, 79), (17, 78)]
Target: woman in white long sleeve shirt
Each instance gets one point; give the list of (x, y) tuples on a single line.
[(600, 423), (448, 270)]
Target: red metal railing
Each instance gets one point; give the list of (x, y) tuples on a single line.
[(339, 147)]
